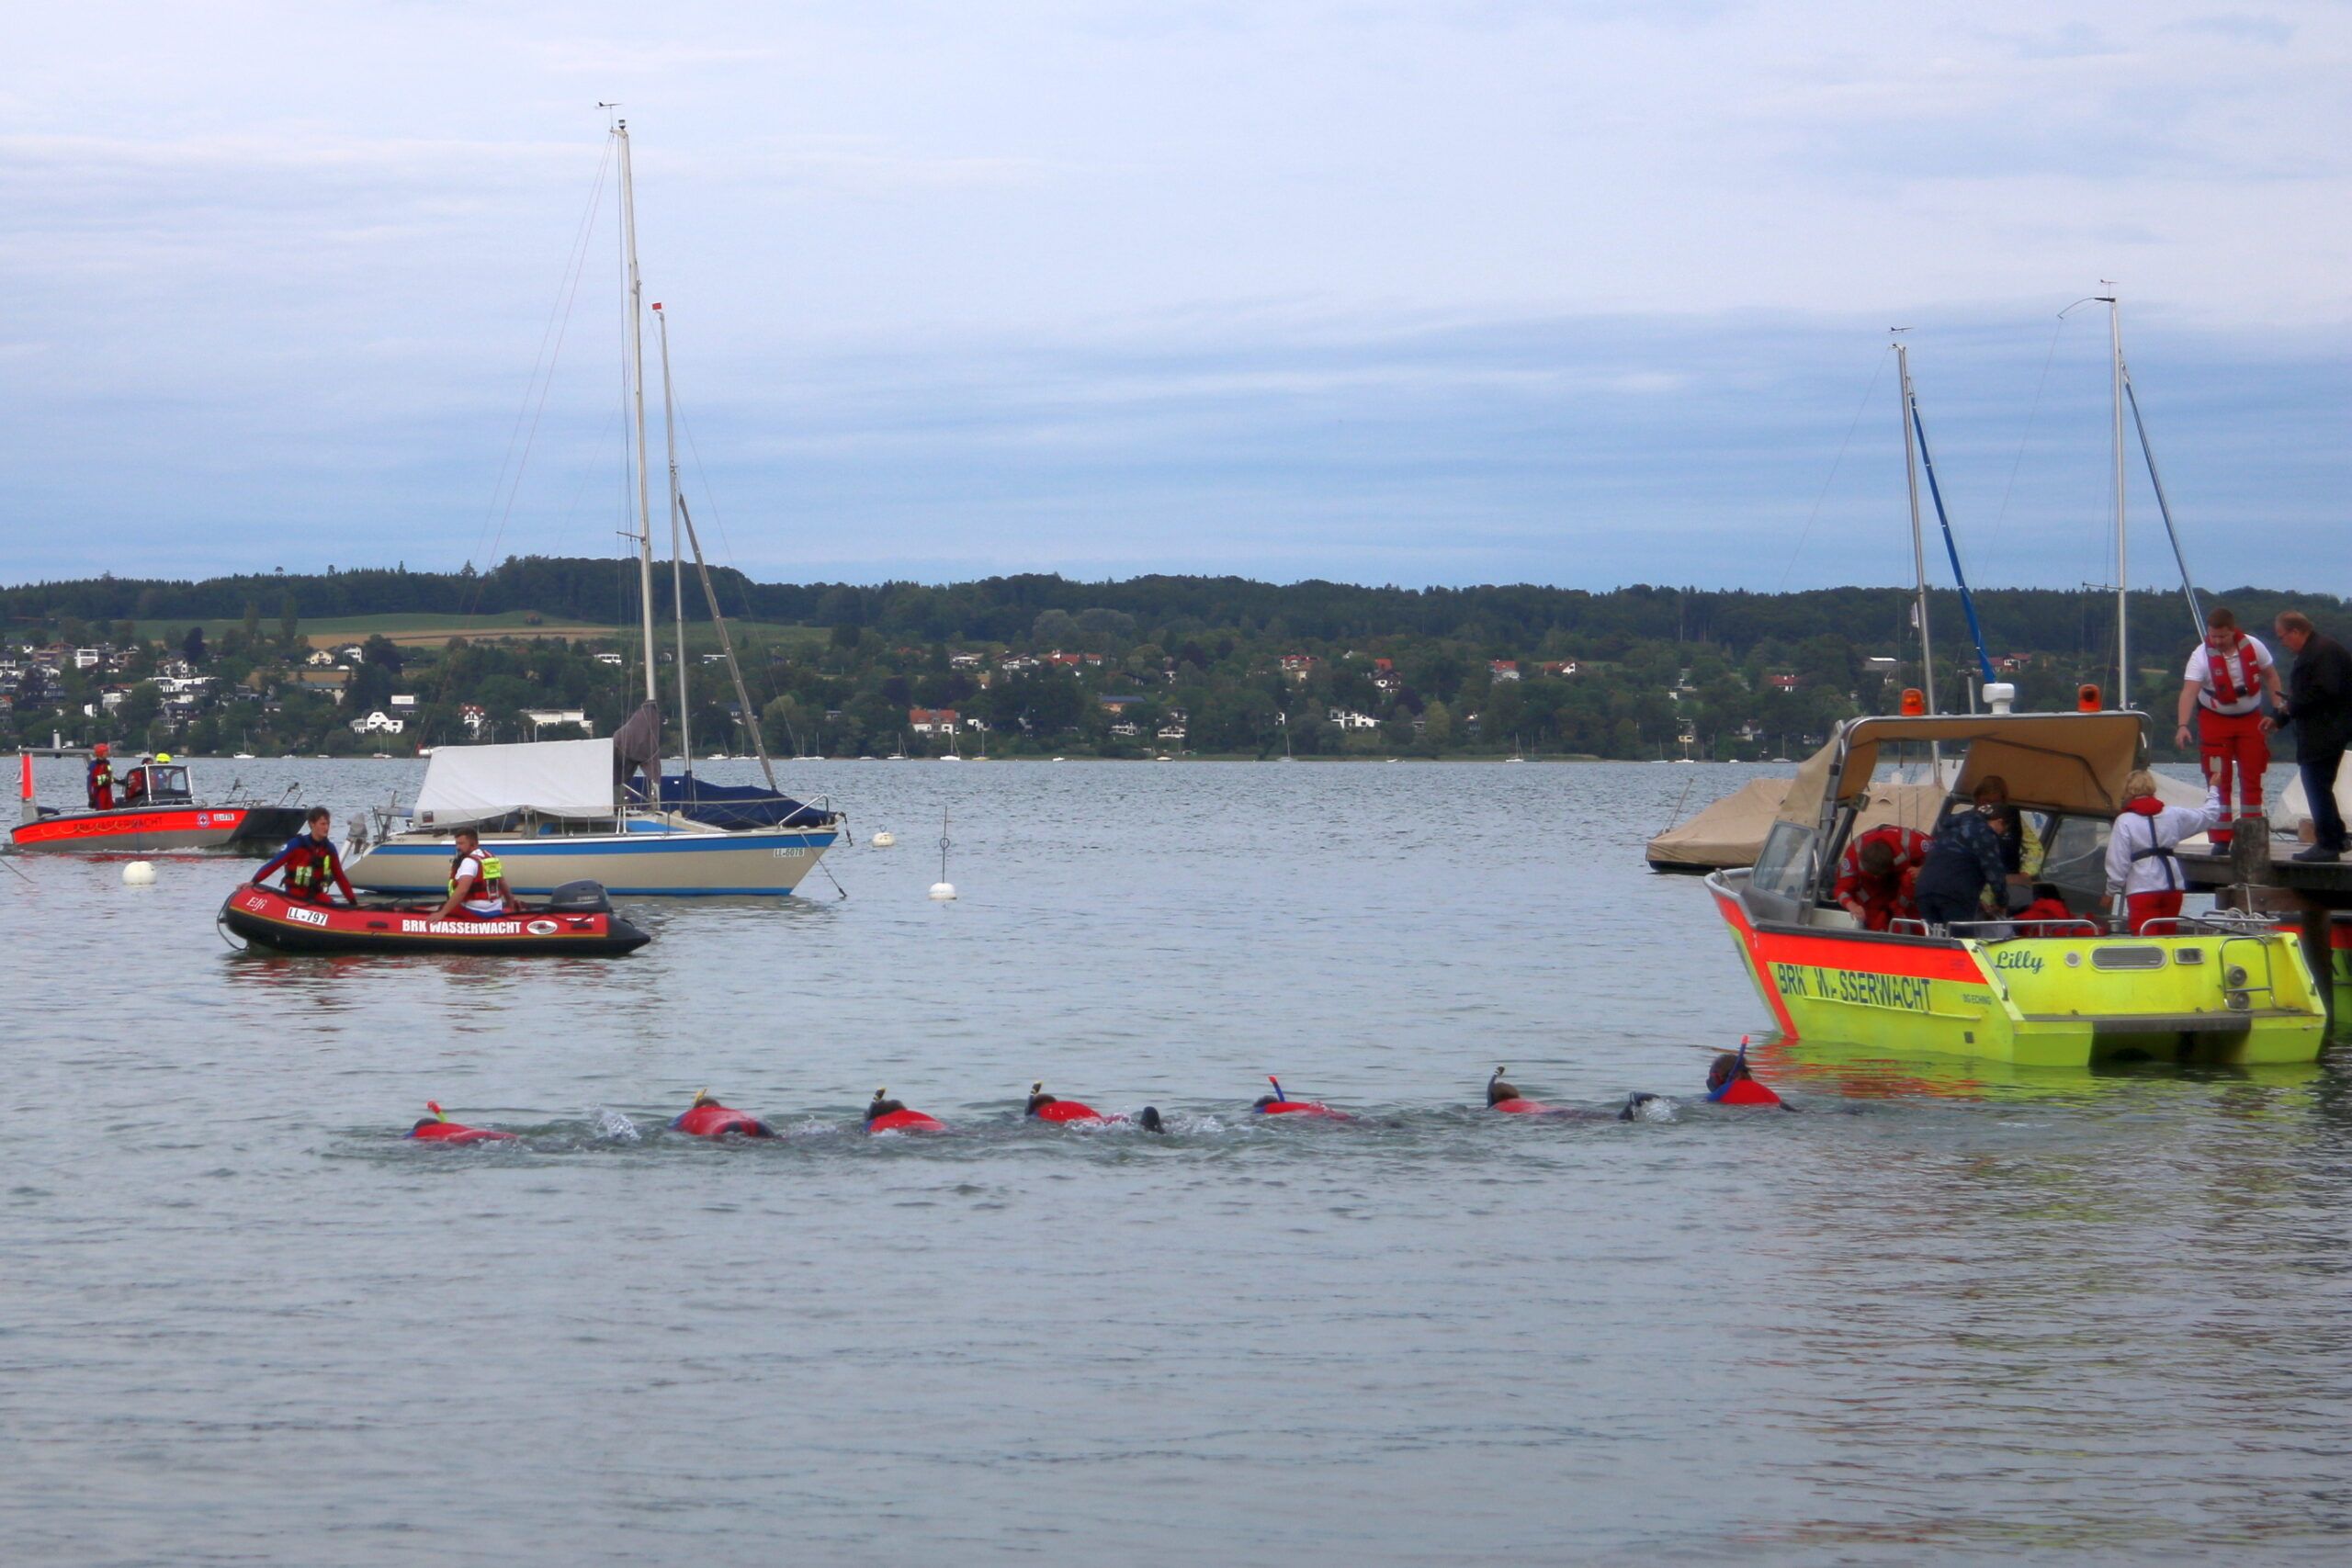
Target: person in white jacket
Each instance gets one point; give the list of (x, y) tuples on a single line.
[(2141, 860)]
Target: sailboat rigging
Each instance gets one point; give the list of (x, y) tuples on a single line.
[(562, 811)]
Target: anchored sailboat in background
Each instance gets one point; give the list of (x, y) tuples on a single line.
[(602, 810)]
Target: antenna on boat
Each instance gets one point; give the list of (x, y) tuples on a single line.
[(943, 890)]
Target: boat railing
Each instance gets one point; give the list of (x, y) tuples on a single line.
[(2219, 922), (2000, 929)]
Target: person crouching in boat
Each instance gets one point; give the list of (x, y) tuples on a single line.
[(310, 863), (2141, 864), (1877, 875), (1730, 1081), (99, 782), (477, 881)]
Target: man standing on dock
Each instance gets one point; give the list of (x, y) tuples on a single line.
[(2319, 707), (2222, 694)]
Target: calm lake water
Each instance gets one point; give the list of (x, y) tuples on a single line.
[(1936, 1316)]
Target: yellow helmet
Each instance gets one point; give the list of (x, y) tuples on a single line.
[(163, 756)]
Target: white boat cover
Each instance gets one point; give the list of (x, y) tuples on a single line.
[(553, 778)]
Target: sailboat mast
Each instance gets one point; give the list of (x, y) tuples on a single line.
[(677, 551), (1918, 542), (2123, 559), (632, 312)]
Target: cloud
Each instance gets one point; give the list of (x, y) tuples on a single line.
[(1577, 291)]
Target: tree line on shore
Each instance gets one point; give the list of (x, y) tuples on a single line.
[(1222, 666)]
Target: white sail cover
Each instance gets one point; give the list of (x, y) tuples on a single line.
[(553, 778)]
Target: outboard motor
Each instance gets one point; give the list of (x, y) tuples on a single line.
[(580, 899)]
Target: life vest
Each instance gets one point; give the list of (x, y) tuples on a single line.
[(2233, 681), (904, 1121), (1743, 1091), (1067, 1111), (435, 1131), (309, 867), (479, 889), (2146, 808), (1270, 1106), (101, 774), (1520, 1107), (708, 1119)]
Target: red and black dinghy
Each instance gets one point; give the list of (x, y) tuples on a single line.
[(575, 920)]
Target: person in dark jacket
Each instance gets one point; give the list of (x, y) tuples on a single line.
[(2319, 710), (1966, 856)]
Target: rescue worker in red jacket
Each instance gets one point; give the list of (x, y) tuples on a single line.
[(2224, 688), (100, 781), (310, 863), (1876, 873)]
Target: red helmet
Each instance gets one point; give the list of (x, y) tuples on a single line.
[(101, 748)]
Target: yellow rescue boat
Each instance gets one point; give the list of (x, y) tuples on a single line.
[(2216, 988)]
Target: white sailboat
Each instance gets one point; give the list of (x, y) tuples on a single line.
[(560, 811)]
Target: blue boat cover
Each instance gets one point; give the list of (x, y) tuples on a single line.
[(738, 806)]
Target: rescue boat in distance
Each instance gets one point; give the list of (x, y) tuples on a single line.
[(2224, 988), (576, 920), (167, 818)]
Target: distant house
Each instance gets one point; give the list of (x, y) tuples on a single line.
[(1881, 666), (1127, 730), (1173, 733), (963, 661), (614, 658), (350, 653), (1299, 666), (473, 716), (86, 659), (555, 718), (932, 721), (1118, 701), (1562, 669), (1348, 719), (379, 723), (2015, 664), (1503, 669), (1783, 682), (331, 682), (403, 702)]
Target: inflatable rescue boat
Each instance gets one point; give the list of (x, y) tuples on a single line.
[(576, 919)]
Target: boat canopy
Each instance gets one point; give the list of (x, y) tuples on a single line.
[(2073, 763), (467, 785), (1731, 833), (737, 806)]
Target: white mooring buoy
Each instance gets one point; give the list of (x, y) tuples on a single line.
[(138, 873), (885, 839), (943, 890)]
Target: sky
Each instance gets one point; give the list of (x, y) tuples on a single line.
[(1452, 292)]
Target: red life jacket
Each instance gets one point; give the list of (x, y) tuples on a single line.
[(2229, 690), (1298, 1108), (1520, 1107), (438, 1132), (1067, 1111), (711, 1120), (1745, 1091), (474, 887), (309, 867), (905, 1122)]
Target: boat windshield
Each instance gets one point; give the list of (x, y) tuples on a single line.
[(163, 781)]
